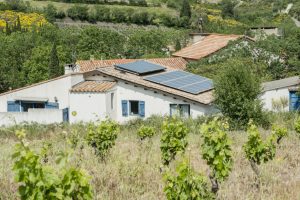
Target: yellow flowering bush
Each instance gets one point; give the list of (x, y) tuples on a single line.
[(27, 20), (219, 19)]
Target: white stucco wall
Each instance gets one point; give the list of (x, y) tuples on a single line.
[(267, 97), (43, 116), (57, 88), (87, 106), (155, 103)]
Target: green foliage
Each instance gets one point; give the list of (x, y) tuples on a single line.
[(227, 7), (186, 9), (256, 149), (279, 132), (173, 139), (102, 137), (216, 149), (54, 67), (145, 132), (186, 185), (236, 93), (78, 12), (297, 126), (38, 181)]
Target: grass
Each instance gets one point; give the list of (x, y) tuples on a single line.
[(132, 170)]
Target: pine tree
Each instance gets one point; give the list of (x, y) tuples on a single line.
[(185, 9), (54, 68)]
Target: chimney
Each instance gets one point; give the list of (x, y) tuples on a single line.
[(70, 68)]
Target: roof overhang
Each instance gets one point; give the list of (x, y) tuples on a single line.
[(31, 99)]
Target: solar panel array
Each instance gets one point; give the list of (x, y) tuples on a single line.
[(181, 80), (140, 67)]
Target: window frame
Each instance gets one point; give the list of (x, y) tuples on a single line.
[(180, 107), (112, 95)]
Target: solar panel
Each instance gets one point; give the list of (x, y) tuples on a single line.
[(181, 80), (140, 67)]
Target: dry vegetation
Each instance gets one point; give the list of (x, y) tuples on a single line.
[(132, 169)]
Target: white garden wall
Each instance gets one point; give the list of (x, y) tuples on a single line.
[(42, 116)]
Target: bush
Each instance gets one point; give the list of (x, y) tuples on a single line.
[(216, 150), (186, 185), (257, 151), (37, 181), (102, 137), (279, 132), (173, 139), (236, 92), (78, 12), (145, 132)]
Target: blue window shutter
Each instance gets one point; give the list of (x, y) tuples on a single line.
[(124, 108), (50, 105), (142, 108), (13, 106)]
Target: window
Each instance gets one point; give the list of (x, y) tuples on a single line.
[(112, 101), (182, 110), (28, 105), (133, 107)]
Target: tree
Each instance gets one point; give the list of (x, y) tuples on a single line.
[(186, 9), (236, 92), (54, 68), (227, 7), (50, 12)]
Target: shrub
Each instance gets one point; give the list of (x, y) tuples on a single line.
[(236, 92), (102, 137), (78, 12), (186, 185), (297, 126), (257, 151), (38, 181), (216, 151), (145, 132), (279, 132), (173, 139)]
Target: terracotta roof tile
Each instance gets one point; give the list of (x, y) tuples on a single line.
[(173, 63), (204, 98), (93, 86), (208, 45)]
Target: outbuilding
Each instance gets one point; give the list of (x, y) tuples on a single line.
[(281, 95)]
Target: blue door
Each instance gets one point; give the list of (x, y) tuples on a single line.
[(66, 115), (294, 101)]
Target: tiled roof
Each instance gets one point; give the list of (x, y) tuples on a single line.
[(204, 98), (208, 45), (93, 86), (286, 82), (173, 63)]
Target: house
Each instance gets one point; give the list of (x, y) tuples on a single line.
[(281, 95), (263, 31), (205, 44), (121, 92)]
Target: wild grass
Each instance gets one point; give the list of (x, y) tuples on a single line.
[(132, 169)]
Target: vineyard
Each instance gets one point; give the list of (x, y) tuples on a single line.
[(152, 160)]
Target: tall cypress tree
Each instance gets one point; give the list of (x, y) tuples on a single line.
[(54, 68), (18, 25), (186, 9)]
